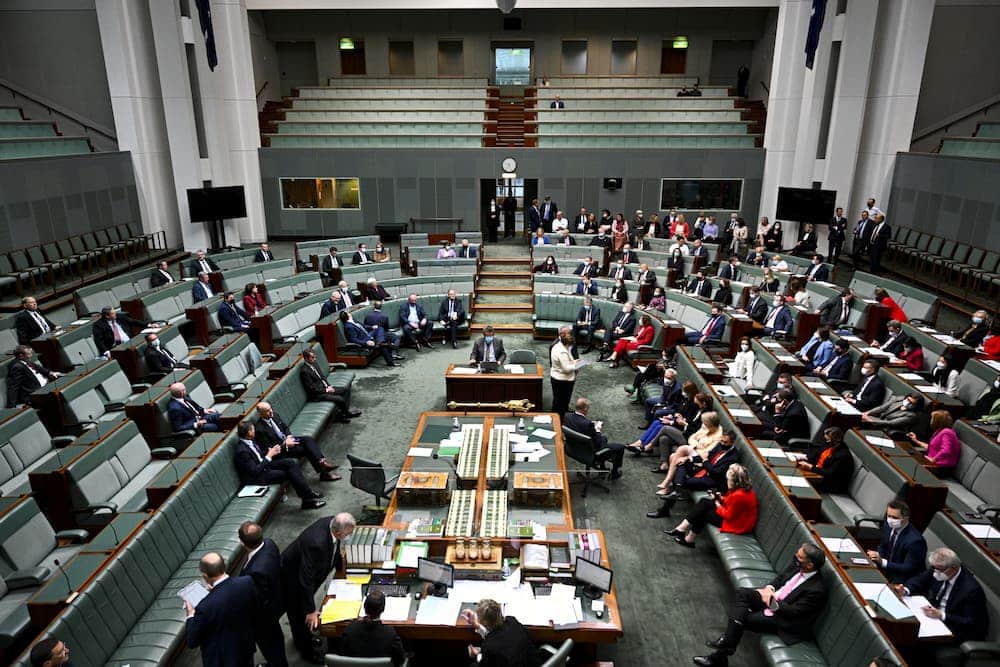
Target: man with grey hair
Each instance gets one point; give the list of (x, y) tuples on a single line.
[(201, 264), (605, 451), (955, 597), (375, 291), (186, 415), (219, 625), (305, 565), (787, 607)]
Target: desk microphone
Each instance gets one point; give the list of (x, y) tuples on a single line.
[(83, 361), (177, 476), (70, 593), (97, 425), (111, 525)]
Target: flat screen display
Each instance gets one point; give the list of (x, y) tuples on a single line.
[(806, 205), (208, 204)]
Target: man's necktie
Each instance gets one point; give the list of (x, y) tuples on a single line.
[(42, 324), (708, 327), (274, 427), (939, 595), (190, 407), (892, 544), (844, 312), (319, 375), (119, 334), (204, 267), (785, 591)]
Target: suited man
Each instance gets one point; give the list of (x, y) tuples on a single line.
[(305, 565), (270, 430), (375, 291), (789, 419), (628, 256), (346, 295), (622, 325), (331, 261), (838, 369), (806, 245), (711, 473), (646, 277), (414, 323), (894, 340), (600, 240), (620, 271), (369, 339), (378, 321), (818, 271), (836, 311), (534, 215), (557, 103), (361, 255), (586, 287), (588, 318), (836, 235), (714, 327), (861, 239), (451, 315), (756, 306), (201, 289), (111, 330), (564, 238), (669, 398), (871, 392), (466, 251), (731, 270), (881, 234), (488, 348), (972, 336), (217, 625), (779, 319), (901, 549), (256, 466), (368, 638), (317, 388), (25, 376), (896, 414), (334, 304), (586, 268), (580, 221), (787, 606), (509, 215), (186, 415), (264, 254), (30, 323), (263, 566), (160, 276), (158, 359), (699, 285), (505, 640), (231, 315), (580, 422), (202, 264), (698, 249), (548, 211), (955, 597)]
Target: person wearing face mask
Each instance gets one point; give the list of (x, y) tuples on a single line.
[(742, 367), (756, 306), (973, 336), (699, 286), (231, 316), (669, 398), (586, 287), (788, 606), (731, 270), (956, 598), (622, 325), (897, 415), (361, 256), (774, 237), (723, 294), (832, 461), (620, 271), (466, 251), (894, 339), (562, 370), (643, 336), (382, 253), (712, 331), (627, 255), (446, 251), (618, 292), (901, 548), (818, 350), (159, 360), (675, 269), (658, 300), (539, 238), (586, 268), (789, 419), (913, 354), (779, 320), (871, 391), (817, 270), (588, 319), (548, 265), (778, 264), (838, 370), (734, 511), (835, 312), (945, 376), (987, 405), (764, 407), (601, 240), (216, 625), (488, 348)]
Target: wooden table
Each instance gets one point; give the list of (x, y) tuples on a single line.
[(494, 387)]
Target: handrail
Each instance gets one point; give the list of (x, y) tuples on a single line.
[(262, 89), (764, 86), (52, 107), (954, 118)]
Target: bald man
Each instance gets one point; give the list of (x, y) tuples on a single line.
[(186, 415), (218, 625)]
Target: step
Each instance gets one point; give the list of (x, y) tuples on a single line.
[(493, 307), (488, 258), (524, 275), (502, 328), (505, 290)]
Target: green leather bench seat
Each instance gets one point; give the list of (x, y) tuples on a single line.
[(286, 290), (979, 147), (197, 389), (236, 278), (8, 334), (296, 321), (474, 82), (392, 91), (239, 363), (918, 304), (565, 283), (346, 245), (359, 273), (646, 141), (976, 480), (429, 285), (422, 253), (471, 140), (874, 483), (25, 444), (288, 398), (357, 127), (420, 115), (90, 299), (170, 339), (339, 378), (26, 147), (447, 267)]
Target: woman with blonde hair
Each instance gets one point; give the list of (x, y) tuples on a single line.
[(698, 446), (734, 511)]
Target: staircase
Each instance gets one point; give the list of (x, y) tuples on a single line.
[(268, 119), (504, 294), (755, 112)]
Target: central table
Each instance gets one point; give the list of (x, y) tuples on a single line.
[(464, 386)]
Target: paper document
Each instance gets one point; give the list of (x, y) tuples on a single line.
[(252, 492), (344, 590), (409, 553), (516, 437), (723, 390), (929, 330), (786, 358), (929, 389), (981, 530), (358, 578), (563, 592), (421, 451), (525, 447), (76, 323), (929, 627), (792, 480), (772, 344), (339, 610), (544, 433), (438, 611), (883, 597), (464, 370), (516, 369), (529, 611), (193, 593), (945, 338), (707, 366), (840, 544), (541, 419), (879, 441), (771, 451), (853, 339), (812, 384), (741, 413), (840, 405), (911, 376), (396, 609)]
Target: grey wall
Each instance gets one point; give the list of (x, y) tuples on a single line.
[(47, 199), (399, 184), (265, 60), (546, 28), (947, 196), (962, 67), (52, 48)]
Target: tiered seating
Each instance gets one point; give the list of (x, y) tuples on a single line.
[(940, 263), (23, 138)]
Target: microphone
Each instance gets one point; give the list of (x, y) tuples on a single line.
[(111, 525), (97, 425), (83, 361), (878, 597), (177, 477), (70, 593)]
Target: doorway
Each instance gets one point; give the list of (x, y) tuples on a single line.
[(512, 65), (727, 56), (297, 65), (522, 190)]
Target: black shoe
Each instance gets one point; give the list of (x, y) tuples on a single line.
[(711, 660), (313, 504), (353, 412), (684, 543), (391, 365), (673, 495), (661, 513), (315, 495), (454, 346), (397, 357), (721, 644), (657, 470), (673, 532), (428, 344), (635, 449), (616, 474)]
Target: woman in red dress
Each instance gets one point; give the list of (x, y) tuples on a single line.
[(253, 300), (643, 336), (619, 232), (895, 312)]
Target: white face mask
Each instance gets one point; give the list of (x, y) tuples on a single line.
[(895, 524), (996, 384), (744, 347), (866, 372), (942, 365), (939, 576), (777, 302)]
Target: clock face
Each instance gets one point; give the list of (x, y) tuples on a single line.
[(509, 165)]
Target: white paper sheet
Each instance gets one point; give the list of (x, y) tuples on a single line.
[(884, 597), (813, 384), (396, 609), (516, 369), (879, 441), (949, 340), (771, 451), (344, 590), (541, 419), (580, 363), (723, 390), (786, 358), (929, 627), (840, 405), (840, 545), (525, 447), (740, 412), (194, 593), (792, 480), (772, 345), (421, 451), (704, 365), (911, 376), (981, 530), (464, 370), (516, 437), (438, 611), (544, 433)]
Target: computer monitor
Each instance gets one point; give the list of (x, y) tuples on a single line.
[(595, 579), (441, 575)]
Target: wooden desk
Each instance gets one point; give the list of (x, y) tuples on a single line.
[(261, 321), (56, 593), (198, 315), (494, 387)]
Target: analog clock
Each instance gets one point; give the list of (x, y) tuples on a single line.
[(509, 165)]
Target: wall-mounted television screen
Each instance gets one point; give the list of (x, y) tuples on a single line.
[(806, 205), (208, 204)]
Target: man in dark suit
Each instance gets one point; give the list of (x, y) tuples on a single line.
[(349, 297), (317, 388), (50, 652), (699, 285), (787, 607), (201, 264), (378, 322), (557, 103), (358, 334), (620, 271), (862, 238), (580, 221), (334, 304), (25, 376), (586, 286), (789, 419), (255, 466), (30, 323), (628, 256), (202, 289), (588, 318), (414, 323), (375, 291), (669, 398), (330, 262), (361, 255), (231, 315), (972, 336), (111, 330), (756, 306), (779, 320), (838, 369), (836, 311), (714, 327), (505, 641), (186, 415), (894, 340), (263, 566), (305, 565), (160, 275), (467, 251), (451, 315), (837, 234), (264, 254), (586, 268), (564, 238), (806, 245), (897, 414), (881, 235), (817, 270), (534, 216), (548, 212), (622, 325), (218, 625), (901, 549), (488, 348), (731, 270), (368, 638), (509, 215), (601, 240), (871, 392), (606, 451), (270, 430), (709, 474), (646, 277), (956, 598), (158, 359)]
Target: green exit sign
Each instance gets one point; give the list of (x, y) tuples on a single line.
[(680, 42), (346, 44)]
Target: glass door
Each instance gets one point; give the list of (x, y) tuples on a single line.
[(512, 66)]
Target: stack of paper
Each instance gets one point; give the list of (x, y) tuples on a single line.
[(544, 433), (396, 609), (880, 441), (793, 480), (883, 596), (840, 544), (438, 611), (339, 610), (929, 627), (541, 419), (344, 590), (420, 451), (515, 369)]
